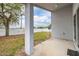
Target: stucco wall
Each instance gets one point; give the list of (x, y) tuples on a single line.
[(62, 24)]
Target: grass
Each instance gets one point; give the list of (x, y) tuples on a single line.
[(41, 36), (10, 45)]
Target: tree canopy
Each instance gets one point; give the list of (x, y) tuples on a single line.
[(9, 14)]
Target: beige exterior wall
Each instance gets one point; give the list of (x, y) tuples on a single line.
[(62, 23)]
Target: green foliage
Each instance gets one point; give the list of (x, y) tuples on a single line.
[(49, 27), (10, 12), (41, 36)]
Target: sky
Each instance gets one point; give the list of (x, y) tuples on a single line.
[(42, 18)]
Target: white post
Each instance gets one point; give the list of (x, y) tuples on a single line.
[(52, 24), (29, 28)]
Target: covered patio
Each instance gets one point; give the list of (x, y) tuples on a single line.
[(62, 30), (58, 48)]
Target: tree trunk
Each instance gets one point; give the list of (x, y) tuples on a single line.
[(7, 28), (21, 23), (6, 23)]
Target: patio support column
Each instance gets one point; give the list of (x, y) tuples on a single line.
[(52, 24), (29, 28)]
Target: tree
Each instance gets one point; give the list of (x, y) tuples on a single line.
[(49, 27), (9, 14), (21, 21), (22, 14)]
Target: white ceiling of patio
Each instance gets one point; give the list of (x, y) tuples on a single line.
[(52, 6)]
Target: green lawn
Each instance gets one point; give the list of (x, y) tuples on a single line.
[(10, 45), (40, 37)]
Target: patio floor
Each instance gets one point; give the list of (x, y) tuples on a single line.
[(53, 47)]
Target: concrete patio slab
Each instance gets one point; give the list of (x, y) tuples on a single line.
[(53, 47)]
